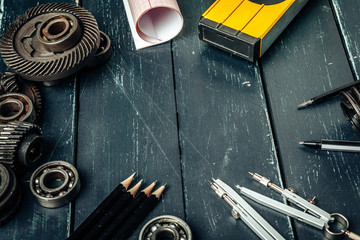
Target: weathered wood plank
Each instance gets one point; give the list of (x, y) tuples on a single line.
[(307, 60), (348, 18), (224, 131), (127, 118), (58, 124)]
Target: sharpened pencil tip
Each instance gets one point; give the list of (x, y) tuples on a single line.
[(213, 179), (149, 188), (158, 192), (135, 188), (305, 104), (252, 174), (126, 183), (301, 143)]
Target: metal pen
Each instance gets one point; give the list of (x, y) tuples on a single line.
[(333, 145), (327, 95)]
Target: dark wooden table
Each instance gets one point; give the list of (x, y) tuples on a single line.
[(184, 112)]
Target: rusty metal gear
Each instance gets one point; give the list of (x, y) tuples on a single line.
[(50, 42), (21, 144), (35, 96), (9, 82)]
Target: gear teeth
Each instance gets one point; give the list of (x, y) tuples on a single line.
[(9, 82), (11, 137), (63, 65)]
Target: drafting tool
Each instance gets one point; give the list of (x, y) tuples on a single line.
[(241, 209), (333, 145), (100, 211), (247, 28), (325, 96), (312, 214)]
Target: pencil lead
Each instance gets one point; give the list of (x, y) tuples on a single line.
[(252, 174), (126, 183), (305, 104), (301, 143), (148, 189), (135, 188), (158, 192)]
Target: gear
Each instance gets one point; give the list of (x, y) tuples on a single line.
[(21, 144), (50, 42), (9, 82), (10, 194), (34, 94)]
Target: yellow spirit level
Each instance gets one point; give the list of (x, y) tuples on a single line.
[(247, 28)]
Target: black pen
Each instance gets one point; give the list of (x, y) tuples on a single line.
[(327, 95), (333, 145)]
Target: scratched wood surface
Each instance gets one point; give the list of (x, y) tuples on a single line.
[(184, 112), (294, 70)]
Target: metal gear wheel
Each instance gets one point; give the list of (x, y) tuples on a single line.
[(50, 42), (9, 82), (10, 194), (21, 144), (34, 94)]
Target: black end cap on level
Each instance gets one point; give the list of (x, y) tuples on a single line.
[(229, 39)]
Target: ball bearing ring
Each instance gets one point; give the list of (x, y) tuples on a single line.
[(44, 184), (165, 227)]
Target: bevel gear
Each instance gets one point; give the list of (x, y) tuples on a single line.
[(21, 144), (50, 42), (9, 82)]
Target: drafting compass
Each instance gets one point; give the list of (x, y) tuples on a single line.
[(311, 215)]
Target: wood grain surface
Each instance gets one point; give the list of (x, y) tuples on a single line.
[(184, 112)]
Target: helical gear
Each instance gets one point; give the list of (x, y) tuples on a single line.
[(9, 82), (21, 144), (50, 42)]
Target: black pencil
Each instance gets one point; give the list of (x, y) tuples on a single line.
[(117, 207), (116, 223), (101, 209), (139, 215), (327, 95)]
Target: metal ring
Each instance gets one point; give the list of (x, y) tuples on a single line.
[(165, 227), (55, 196), (16, 107), (337, 235)]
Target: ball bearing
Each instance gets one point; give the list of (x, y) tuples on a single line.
[(165, 227), (16, 107), (55, 184)]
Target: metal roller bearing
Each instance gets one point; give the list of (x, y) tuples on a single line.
[(55, 184), (50, 42), (10, 194), (16, 107), (165, 227), (103, 53)]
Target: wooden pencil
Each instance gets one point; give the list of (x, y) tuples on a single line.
[(118, 206), (101, 209), (109, 231), (138, 215)]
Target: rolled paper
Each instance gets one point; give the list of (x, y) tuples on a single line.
[(153, 21)]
